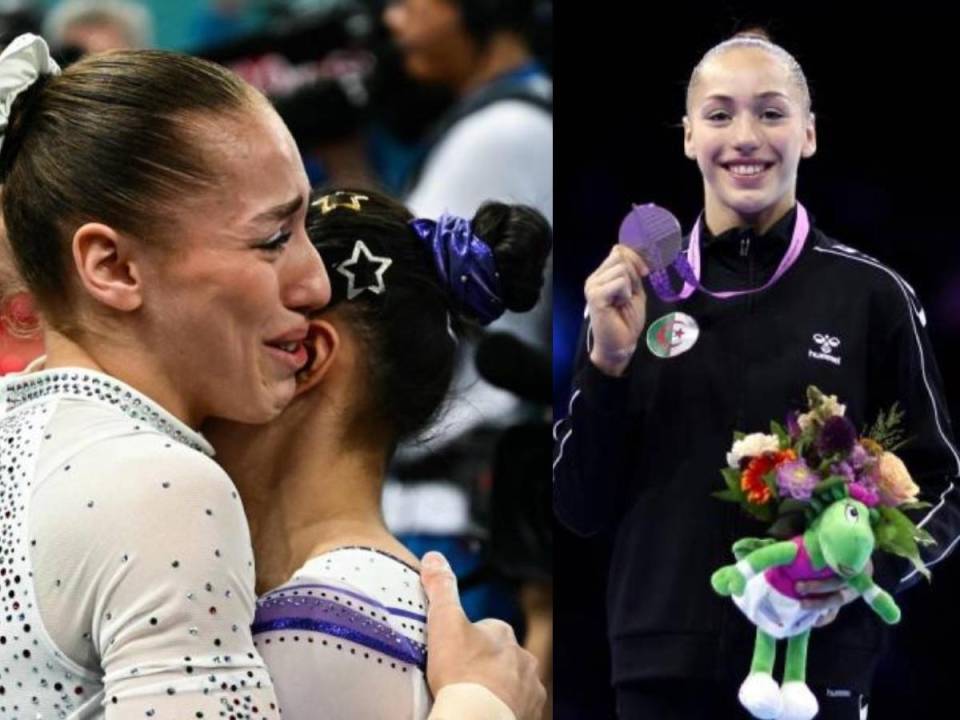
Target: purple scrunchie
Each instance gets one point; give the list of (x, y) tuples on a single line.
[(465, 263)]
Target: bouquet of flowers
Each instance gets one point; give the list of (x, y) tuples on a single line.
[(832, 496), (783, 477)]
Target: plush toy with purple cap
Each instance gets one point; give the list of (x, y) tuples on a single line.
[(832, 497)]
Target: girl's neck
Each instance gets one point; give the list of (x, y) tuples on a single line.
[(124, 361), (307, 487), (720, 218)]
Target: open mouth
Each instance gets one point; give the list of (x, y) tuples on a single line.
[(744, 169), (292, 352)]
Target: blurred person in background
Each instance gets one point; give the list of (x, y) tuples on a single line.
[(494, 141), (21, 337), (497, 139), (79, 27)]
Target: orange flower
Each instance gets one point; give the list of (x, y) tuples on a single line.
[(751, 481)]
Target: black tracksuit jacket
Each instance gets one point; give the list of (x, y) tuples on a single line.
[(638, 456)]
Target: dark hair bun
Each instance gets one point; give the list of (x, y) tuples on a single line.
[(520, 238)]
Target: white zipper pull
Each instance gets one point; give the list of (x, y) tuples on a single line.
[(744, 245)]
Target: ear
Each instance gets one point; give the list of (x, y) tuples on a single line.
[(106, 266), (688, 147), (810, 137), (322, 342)]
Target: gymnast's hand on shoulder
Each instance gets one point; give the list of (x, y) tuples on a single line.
[(486, 652)]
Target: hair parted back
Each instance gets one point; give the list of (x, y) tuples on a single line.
[(757, 38), (113, 139)]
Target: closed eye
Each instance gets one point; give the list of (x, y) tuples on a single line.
[(275, 242)]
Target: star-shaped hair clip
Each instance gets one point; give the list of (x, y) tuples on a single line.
[(364, 273), (339, 199)]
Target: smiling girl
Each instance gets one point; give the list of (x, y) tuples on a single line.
[(661, 387)]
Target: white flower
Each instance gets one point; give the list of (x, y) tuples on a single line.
[(831, 407), (827, 407), (753, 445)]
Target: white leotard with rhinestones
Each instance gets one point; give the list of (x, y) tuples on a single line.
[(344, 638), (125, 559), (126, 566)]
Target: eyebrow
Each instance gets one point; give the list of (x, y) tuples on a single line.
[(762, 96), (281, 211)]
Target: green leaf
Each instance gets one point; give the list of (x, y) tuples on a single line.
[(737, 435), (770, 480), (815, 397), (923, 537), (728, 495), (782, 436), (805, 443), (731, 477), (791, 505), (830, 482), (897, 534), (916, 505), (899, 543), (886, 430), (787, 526), (764, 513), (906, 548), (896, 518)]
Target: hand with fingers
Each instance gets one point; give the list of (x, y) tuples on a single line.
[(617, 305), (829, 595), (485, 653)]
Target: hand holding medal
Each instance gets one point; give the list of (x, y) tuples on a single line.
[(654, 233), (617, 305)]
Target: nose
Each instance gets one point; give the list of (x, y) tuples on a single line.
[(746, 133), (307, 285)]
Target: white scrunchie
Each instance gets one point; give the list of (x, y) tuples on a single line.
[(21, 63)]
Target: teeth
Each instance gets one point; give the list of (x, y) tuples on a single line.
[(746, 170), (289, 347)]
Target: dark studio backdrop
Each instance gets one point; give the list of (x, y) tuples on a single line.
[(885, 179)]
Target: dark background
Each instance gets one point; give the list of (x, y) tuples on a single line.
[(884, 180)]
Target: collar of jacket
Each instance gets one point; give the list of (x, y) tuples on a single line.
[(741, 242)]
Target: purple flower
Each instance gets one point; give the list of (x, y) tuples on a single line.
[(796, 479), (859, 457), (867, 495), (844, 470), (838, 435), (793, 426)]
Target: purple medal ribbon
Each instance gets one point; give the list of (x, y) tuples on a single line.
[(655, 234)]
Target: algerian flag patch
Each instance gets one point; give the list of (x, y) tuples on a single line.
[(672, 335)]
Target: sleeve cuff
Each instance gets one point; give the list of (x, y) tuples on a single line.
[(469, 701), (605, 394)]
